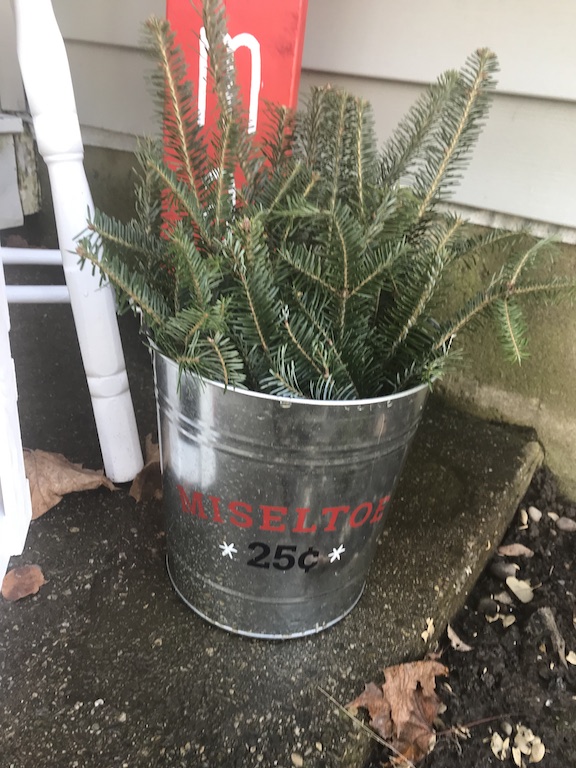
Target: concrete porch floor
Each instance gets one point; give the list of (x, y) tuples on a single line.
[(105, 667)]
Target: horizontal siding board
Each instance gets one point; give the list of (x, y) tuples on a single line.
[(110, 22), (12, 97), (415, 40), (525, 161), (111, 88)]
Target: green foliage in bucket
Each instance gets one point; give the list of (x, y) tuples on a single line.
[(310, 264)]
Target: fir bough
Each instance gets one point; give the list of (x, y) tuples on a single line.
[(309, 264)]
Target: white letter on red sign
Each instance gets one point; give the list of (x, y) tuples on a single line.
[(243, 40)]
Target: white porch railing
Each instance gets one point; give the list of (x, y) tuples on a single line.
[(48, 84), (15, 511)]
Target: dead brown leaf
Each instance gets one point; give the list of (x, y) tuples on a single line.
[(21, 582), (403, 710), (148, 482), (520, 588), (52, 476), (17, 241), (456, 642)]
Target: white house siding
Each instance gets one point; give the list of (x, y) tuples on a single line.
[(11, 91), (525, 162)]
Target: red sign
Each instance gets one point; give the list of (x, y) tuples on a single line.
[(267, 37)]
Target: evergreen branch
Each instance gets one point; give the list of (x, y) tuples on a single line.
[(385, 259), (360, 156), (525, 258), (484, 62), (186, 362), (338, 152), (314, 178), (300, 348), (282, 379), (179, 192), (195, 328), (223, 175), (476, 306), (344, 293), (413, 134), (123, 237), (553, 287), (241, 273), (175, 80), (513, 330), (124, 281), (287, 385), (312, 319), (305, 267), (433, 275), (221, 360), (277, 142), (287, 185)]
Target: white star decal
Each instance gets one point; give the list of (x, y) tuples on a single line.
[(335, 554), (228, 550)]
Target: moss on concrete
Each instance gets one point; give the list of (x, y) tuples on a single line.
[(541, 392)]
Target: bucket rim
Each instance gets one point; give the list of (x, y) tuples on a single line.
[(308, 401)]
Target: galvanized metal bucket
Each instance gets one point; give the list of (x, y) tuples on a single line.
[(274, 506)]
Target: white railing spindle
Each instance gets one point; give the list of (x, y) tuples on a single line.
[(46, 75)]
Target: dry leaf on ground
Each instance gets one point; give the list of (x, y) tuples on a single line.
[(515, 550), (148, 482), (429, 631), (456, 642), (21, 582), (521, 589), (52, 476), (403, 710)]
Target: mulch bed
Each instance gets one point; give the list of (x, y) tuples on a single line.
[(515, 675)]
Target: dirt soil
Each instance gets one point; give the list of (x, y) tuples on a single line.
[(515, 675)]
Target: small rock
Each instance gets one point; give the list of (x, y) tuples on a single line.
[(520, 588), (534, 514), (553, 516), (506, 728), (488, 606), (297, 760), (122, 717), (502, 570), (504, 598), (566, 524)]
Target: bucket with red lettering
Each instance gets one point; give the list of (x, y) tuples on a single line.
[(274, 506)]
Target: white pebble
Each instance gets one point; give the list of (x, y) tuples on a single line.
[(566, 524), (534, 514)]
